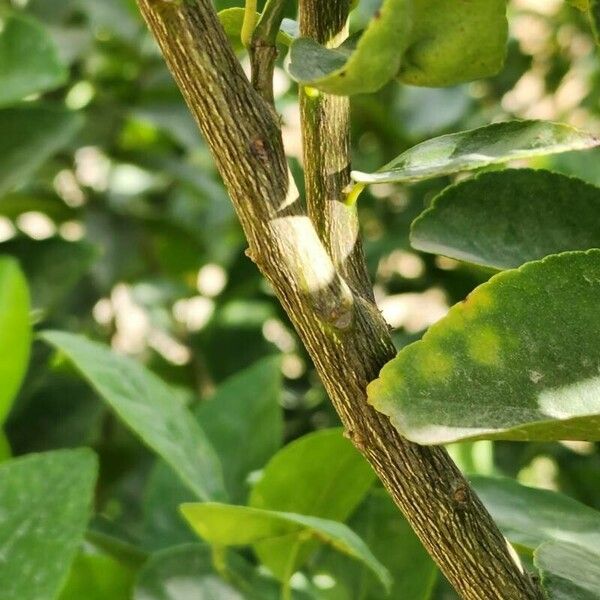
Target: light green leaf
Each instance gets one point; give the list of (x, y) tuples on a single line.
[(252, 396), (392, 540), (507, 218), (15, 332), (357, 66), (187, 572), (476, 148), (45, 503), (569, 572), (149, 407), (594, 12), (31, 133), (320, 474), (529, 516), (452, 42), (232, 20), (224, 525), (98, 577), (517, 360), (29, 61), (582, 5)]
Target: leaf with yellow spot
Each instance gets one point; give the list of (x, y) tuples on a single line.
[(518, 359)]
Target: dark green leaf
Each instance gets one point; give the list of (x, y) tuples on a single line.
[(15, 332), (245, 409), (569, 572), (517, 360), (187, 572), (224, 525), (31, 133), (452, 42), (149, 407), (29, 61), (476, 148), (529, 516), (320, 474), (511, 217), (357, 66), (45, 503)]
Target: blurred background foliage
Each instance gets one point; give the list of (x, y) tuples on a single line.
[(110, 201)]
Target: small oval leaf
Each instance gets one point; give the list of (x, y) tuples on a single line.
[(507, 218), (361, 64), (468, 150), (519, 359)]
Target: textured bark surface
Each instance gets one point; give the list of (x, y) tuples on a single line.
[(317, 272)]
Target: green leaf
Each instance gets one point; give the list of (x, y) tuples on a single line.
[(517, 360), (507, 218), (582, 5), (476, 148), (29, 61), (5, 449), (320, 474), (15, 332), (252, 396), (232, 20), (452, 42), (187, 572), (98, 577), (529, 516), (149, 407), (392, 540), (594, 12), (45, 503), (224, 525), (31, 133), (569, 572), (360, 65)]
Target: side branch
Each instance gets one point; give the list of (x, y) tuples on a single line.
[(341, 328)]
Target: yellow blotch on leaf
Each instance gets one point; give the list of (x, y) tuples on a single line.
[(484, 346), (435, 364)]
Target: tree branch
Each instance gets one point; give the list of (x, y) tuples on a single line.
[(341, 328)]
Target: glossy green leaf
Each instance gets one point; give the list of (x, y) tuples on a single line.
[(476, 148), (392, 540), (594, 12), (530, 516), (360, 65), (232, 20), (569, 572), (224, 525), (322, 475), (31, 133), (29, 61), (507, 218), (452, 42), (517, 360), (98, 577), (150, 408), (187, 572), (45, 503), (15, 332), (252, 397)]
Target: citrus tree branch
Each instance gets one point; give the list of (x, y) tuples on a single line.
[(338, 323)]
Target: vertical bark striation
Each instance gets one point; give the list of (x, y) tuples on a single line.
[(322, 290)]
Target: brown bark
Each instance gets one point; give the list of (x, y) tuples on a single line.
[(320, 279)]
